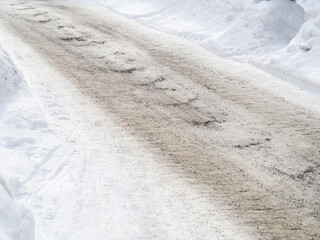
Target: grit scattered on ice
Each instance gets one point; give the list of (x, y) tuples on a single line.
[(279, 36)]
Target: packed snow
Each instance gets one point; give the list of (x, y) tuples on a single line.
[(78, 174), (279, 36), (44, 190)]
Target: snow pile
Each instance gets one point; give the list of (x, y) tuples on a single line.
[(280, 36), (16, 221), (259, 28), (301, 57)]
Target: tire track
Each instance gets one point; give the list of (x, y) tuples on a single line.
[(226, 137)]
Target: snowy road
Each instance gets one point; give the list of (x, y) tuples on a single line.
[(173, 143)]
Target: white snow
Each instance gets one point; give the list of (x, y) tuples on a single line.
[(37, 164), (16, 221), (278, 36)]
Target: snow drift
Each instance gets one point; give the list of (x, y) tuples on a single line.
[(279, 36)]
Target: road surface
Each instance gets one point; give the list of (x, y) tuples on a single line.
[(240, 145)]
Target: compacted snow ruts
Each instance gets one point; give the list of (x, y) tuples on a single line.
[(100, 182), (95, 182), (154, 137)]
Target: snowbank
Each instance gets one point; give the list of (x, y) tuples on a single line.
[(38, 160), (301, 57), (37, 164), (260, 28), (279, 36), (16, 221)]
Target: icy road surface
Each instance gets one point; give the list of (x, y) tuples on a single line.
[(170, 142)]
